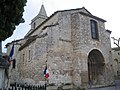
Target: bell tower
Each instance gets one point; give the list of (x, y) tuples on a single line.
[(42, 16)]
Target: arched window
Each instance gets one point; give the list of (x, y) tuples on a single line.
[(94, 29)]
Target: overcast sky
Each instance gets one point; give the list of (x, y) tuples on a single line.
[(105, 9)]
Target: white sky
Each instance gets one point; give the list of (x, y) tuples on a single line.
[(105, 9)]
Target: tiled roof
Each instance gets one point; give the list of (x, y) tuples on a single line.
[(28, 41)]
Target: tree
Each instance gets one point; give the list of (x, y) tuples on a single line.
[(11, 12), (116, 41)]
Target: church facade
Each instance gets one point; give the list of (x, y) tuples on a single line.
[(73, 43)]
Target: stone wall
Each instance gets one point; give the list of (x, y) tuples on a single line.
[(116, 61), (64, 43)]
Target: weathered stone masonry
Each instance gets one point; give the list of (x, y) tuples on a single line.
[(64, 43)]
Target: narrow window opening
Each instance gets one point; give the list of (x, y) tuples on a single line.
[(14, 64), (94, 29), (29, 55), (23, 57), (34, 25)]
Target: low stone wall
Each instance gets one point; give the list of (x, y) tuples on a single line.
[(104, 88), (65, 87)]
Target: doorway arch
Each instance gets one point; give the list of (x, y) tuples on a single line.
[(95, 66)]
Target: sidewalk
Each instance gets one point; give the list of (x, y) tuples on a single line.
[(115, 87)]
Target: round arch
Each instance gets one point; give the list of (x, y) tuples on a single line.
[(96, 65)]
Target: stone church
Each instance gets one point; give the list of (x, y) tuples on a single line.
[(73, 43)]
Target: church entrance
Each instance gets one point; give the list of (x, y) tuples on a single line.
[(95, 67)]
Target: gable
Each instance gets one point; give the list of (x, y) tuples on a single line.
[(82, 10), (86, 11)]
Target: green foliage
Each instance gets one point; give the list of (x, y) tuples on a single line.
[(78, 88), (60, 87), (116, 48), (11, 12), (51, 84)]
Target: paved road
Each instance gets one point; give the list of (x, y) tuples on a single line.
[(115, 87), (117, 82)]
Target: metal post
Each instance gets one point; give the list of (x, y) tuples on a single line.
[(45, 84)]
